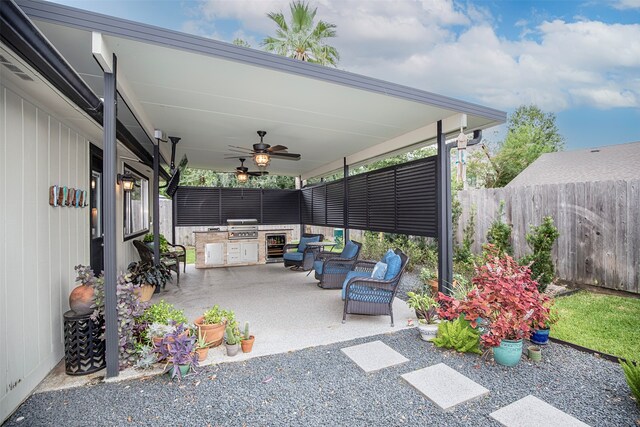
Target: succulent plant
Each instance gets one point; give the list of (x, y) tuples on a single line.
[(147, 357), (247, 335), (178, 349)]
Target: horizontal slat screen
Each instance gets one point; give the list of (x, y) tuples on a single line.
[(197, 206), (240, 203), (398, 199), (280, 207), (335, 204)]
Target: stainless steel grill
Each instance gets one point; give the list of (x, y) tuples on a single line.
[(242, 229)]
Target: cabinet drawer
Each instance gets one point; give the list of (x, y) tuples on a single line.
[(233, 258), (233, 248)]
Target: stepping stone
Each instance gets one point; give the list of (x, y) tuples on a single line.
[(531, 411), (444, 386), (373, 356)]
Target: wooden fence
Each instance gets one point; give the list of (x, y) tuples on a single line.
[(599, 225)]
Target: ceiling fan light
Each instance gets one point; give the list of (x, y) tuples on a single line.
[(261, 159), (242, 176)]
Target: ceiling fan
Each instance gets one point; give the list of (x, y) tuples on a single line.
[(243, 174), (263, 153)]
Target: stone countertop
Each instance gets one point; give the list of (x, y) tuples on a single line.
[(223, 229)]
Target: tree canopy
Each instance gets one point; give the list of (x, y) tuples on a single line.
[(530, 133), (299, 38)]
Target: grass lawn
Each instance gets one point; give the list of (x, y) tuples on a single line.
[(606, 323), (191, 254)]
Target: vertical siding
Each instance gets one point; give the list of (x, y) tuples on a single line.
[(39, 244)]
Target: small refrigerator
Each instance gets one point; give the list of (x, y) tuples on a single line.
[(275, 247)]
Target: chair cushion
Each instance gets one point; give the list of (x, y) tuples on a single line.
[(334, 268), (367, 294), (168, 261), (303, 242), (386, 256), (393, 267), (293, 256), (350, 250), (350, 275), (318, 265), (379, 270)]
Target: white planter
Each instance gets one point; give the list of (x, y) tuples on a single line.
[(428, 332)]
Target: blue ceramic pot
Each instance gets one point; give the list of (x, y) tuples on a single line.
[(540, 337), (508, 353)]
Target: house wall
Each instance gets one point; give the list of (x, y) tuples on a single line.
[(39, 244)]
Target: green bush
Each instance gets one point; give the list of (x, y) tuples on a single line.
[(463, 252), (541, 239), (499, 234), (458, 335), (632, 374), (162, 312), (218, 315)]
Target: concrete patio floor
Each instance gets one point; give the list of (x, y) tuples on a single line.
[(287, 311)]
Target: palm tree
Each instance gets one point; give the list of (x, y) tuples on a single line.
[(300, 39)]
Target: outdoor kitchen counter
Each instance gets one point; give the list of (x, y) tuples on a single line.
[(202, 238)]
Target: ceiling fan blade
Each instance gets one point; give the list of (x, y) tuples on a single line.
[(277, 148), (285, 156), (258, 173), (246, 153), (241, 148), (236, 157)]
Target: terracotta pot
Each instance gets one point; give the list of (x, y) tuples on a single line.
[(202, 353), (434, 286), (81, 299), (145, 292), (211, 333), (247, 345)]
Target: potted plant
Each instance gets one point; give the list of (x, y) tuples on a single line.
[(157, 331), (540, 336), (426, 310), (178, 349), (507, 298), (162, 313), (202, 347), (164, 243), (430, 277), (247, 339), (149, 277), (232, 339), (212, 324)]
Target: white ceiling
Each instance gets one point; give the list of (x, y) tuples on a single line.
[(212, 102)]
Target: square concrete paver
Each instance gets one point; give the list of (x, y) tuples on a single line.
[(373, 356), (531, 411), (444, 386)]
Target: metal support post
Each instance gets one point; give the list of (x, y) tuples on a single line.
[(445, 240), (156, 202), (109, 187), (345, 200)]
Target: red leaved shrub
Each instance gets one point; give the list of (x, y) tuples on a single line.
[(505, 296)]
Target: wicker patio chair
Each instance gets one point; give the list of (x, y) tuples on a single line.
[(302, 259), (179, 252), (146, 255), (331, 268), (365, 295)]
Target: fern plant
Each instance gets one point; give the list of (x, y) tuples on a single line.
[(632, 374), (458, 335)]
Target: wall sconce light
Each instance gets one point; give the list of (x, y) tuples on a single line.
[(93, 184), (127, 181), (261, 159)]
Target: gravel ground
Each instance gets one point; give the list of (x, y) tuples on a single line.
[(320, 386), (408, 282)]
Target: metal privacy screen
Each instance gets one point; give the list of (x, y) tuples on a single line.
[(397, 199)]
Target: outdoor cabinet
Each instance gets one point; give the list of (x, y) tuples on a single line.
[(214, 254), (249, 253)]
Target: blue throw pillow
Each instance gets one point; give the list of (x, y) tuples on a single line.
[(350, 250), (393, 267), (388, 255), (303, 242), (379, 270)]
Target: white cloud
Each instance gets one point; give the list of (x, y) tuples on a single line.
[(626, 4), (453, 49)]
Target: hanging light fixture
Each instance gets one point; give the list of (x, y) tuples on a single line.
[(261, 159), (242, 176)]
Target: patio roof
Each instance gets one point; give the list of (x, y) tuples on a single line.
[(214, 94)]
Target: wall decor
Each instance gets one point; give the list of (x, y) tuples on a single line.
[(66, 196)]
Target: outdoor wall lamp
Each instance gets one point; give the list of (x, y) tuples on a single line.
[(127, 181), (261, 159)]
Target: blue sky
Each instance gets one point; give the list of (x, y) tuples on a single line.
[(577, 59)]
